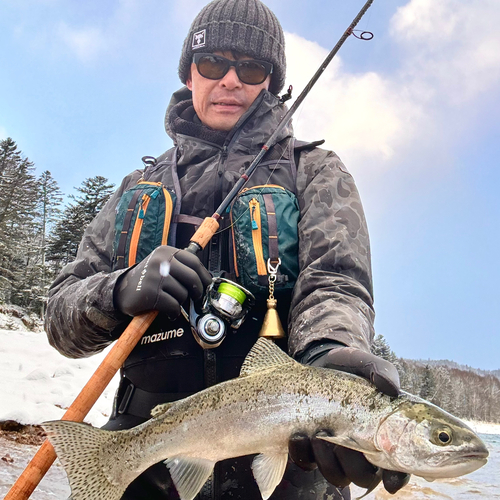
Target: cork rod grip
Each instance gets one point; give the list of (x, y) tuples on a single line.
[(205, 232)]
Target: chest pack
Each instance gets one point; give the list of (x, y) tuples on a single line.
[(263, 219), (264, 228), (142, 222)]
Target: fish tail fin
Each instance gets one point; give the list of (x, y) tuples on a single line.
[(79, 448)]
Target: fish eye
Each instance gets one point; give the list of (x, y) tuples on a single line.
[(442, 437)]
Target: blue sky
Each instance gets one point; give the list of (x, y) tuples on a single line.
[(413, 114)]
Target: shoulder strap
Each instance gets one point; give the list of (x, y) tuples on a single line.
[(296, 147), (304, 146), (152, 164), (168, 160), (127, 222)]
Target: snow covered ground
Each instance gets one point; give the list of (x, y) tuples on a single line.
[(38, 384), (484, 428)]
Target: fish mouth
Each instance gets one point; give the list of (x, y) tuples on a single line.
[(479, 456), (455, 467)]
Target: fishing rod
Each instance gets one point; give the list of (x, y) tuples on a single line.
[(210, 225), (45, 456)]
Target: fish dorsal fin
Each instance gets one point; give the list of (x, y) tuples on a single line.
[(189, 474), (268, 472), (264, 354), (160, 409)]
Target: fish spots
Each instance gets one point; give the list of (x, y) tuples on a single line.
[(346, 401), (418, 412)]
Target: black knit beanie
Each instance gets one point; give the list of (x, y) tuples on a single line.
[(245, 26)]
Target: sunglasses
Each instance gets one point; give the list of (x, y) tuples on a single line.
[(251, 71)]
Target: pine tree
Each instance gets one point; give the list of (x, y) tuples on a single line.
[(380, 347), (49, 201), (18, 195), (428, 388), (65, 237), (94, 193), (68, 231)]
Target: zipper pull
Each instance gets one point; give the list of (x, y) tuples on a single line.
[(252, 211), (223, 155), (141, 209)]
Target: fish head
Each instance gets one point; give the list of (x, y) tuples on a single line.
[(422, 439)]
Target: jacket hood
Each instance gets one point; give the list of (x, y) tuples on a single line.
[(251, 131)]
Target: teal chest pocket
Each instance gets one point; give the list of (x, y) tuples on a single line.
[(142, 222), (264, 227)]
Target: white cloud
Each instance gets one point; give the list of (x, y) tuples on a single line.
[(364, 116), (451, 44), (450, 66), (90, 42), (74, 29), (87, 42)]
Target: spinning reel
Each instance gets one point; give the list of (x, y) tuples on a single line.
[(224, 306)]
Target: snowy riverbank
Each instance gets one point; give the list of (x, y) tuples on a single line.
[(484, 427), (38, 383)]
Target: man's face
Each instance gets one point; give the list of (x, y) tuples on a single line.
[(219, 104)]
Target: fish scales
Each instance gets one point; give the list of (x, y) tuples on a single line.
[(273, 398), (271, 405)]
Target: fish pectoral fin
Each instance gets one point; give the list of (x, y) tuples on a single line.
[(268, 471), (160, 409), (189, 474), (348, 442)]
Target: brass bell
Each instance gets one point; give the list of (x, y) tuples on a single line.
[(271, 327)]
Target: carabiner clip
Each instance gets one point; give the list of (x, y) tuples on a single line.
[(273, 270)]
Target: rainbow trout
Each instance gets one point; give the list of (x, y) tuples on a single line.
[(273, 398)]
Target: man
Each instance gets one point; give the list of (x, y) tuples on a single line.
[(233, 66)]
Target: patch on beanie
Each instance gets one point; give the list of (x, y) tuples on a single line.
[(199, 39)]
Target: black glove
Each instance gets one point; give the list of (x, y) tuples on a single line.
[(161, 282), (340, 466), (378, 371)]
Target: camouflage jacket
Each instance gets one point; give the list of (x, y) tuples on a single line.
[(332, 298)]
